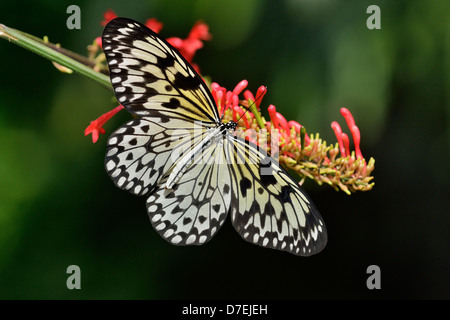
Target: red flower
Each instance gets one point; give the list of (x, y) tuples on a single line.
[(344, 144), (200, 30), (187, 47), (108, 16), (228, 99), (98, 41), (248, 95), (96, 126), (154, 25)]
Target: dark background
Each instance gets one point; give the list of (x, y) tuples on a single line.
[(58, 206)]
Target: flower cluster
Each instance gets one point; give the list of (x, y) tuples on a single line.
[(307, 155)]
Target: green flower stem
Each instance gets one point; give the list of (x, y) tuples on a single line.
[(302, 138), (54, 53), (255, 111)]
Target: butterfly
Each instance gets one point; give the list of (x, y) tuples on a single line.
[(191, 166)]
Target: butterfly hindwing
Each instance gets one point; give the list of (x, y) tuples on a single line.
[(270, 209), (194, 210)]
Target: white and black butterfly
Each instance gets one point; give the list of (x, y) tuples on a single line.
[(189, 165)]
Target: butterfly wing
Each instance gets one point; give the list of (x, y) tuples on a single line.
[(152, 80), (268, 206), (142, 150), (195, 208)]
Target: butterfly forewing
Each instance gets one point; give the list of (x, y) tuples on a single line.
[(191, 167), (150, 78)]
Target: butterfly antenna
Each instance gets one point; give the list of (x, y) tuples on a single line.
[(257, 98)]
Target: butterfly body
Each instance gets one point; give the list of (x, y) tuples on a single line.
[(192, 168)]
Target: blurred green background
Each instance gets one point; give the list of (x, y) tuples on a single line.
[(58, 207)]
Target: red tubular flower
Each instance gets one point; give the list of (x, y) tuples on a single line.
[(286, 131), (154, 25), (353, 129), (177, 43), (228, 96), (280, 123), (283, 123), (343, 140), (218, 94), (338, 132), (187, 47), (260, 95), (239, 87), (192, 43), (248, 95), (200, 30), (108, 16), (346, 143), (273, 115), (348, 117), (356, 140), (234, 101), (96, 126), (98, 41)]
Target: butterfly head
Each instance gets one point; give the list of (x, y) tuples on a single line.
[(229, 126)]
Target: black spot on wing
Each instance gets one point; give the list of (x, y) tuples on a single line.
[(295, 234), (285, 190), (268, 179), (173, 103), (185, 83), (166, 62), (133, 142), (245, 184), (145, 128)]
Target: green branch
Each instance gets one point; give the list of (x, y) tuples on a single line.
[(66, 58)]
